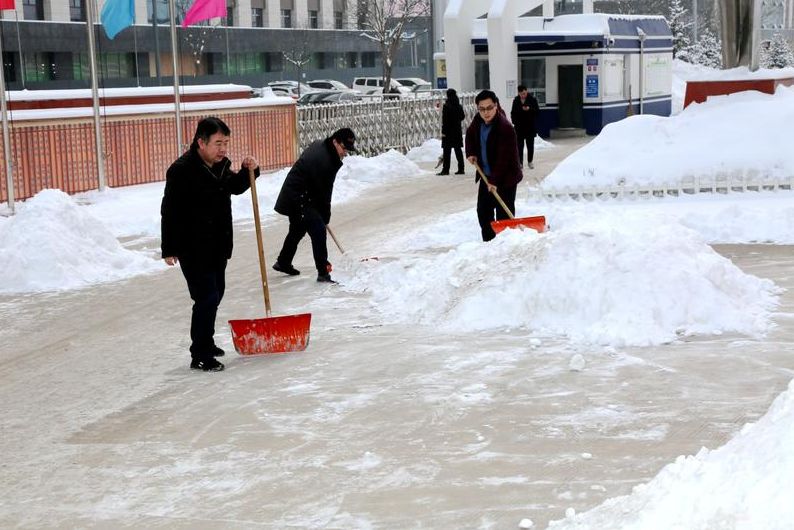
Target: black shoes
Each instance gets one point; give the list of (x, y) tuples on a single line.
[(325, 278), (443, 173), (460, 172), (208, 365), (217, 352), (286, 269)]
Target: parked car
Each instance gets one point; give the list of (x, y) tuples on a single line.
[(328, 96), (411, 82), (294, 88), (374, 85), (328, 84), (422, 90)]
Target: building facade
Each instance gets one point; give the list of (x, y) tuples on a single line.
[(45, 45)]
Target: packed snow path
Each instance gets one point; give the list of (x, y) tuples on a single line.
[(376, 425)]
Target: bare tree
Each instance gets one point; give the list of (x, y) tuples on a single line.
[(196, 36), (297, 50), (385, 22)]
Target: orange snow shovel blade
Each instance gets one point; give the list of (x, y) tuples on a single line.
[(536, 223), (271, 335)]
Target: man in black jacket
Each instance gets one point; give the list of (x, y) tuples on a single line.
[(306, 199), (523, 114), (197, 229)]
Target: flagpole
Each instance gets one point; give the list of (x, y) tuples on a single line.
[(6, 135), (21, 57), (172, 13), (100, 157)]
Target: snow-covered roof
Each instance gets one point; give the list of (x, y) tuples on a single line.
[(596, 25), (80, 93), (157, 108)]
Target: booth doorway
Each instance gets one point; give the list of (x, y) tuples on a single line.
[(569, 92)]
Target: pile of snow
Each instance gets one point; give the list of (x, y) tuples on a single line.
[(733, 136), (619, 279), (743, 484), (52, 244), (683, 72), (430, 151)]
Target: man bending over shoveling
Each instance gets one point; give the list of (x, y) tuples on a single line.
[(306, 199), (197, 229)]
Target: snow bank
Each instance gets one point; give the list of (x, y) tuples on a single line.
[(727, 136), (430, 151), (52, 244), (742, 485), (619, 279)]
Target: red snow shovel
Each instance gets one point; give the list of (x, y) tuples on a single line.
[(537, 222), (270, 334)]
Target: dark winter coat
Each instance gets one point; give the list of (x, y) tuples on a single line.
[(310, 182), (501, 148), (451, 116), (524, 120), (196, 212)]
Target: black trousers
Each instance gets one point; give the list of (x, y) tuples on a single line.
[(521, 139), (489, 209), (206, 284), (447, 156), (299, 225)]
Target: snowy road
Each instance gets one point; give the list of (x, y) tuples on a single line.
[(376, 425)]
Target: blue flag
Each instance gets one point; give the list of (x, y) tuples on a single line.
[(117, 15)]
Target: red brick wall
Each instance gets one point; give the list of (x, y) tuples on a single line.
[(138, 149)]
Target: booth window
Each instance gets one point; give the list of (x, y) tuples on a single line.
[(532, 74), (482, 73)]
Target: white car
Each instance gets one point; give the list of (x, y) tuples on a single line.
[(410, 82), (374, 85), (328, 84)]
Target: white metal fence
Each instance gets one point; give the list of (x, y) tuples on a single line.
[(380, 123)]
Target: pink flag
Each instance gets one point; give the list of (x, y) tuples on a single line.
[(204, 10)]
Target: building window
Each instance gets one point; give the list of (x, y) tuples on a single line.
[(352, 59), (257, 17), (162, 12), (286, 18), (532, 74), (39, 67), (274, 62), (230, 16), (482, 74), (339, 20), (9, 68), (33, 10), (76, 11), (314, 19), (368, 59)]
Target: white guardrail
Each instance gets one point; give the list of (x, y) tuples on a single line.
[(688, 186)]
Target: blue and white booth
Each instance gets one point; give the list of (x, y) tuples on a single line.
[(586, 70)]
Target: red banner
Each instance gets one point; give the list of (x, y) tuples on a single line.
[(7, 4)]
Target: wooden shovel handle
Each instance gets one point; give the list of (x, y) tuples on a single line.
[(333, 236), (262, 265), (495, 193)]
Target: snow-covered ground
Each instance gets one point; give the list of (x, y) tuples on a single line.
[(614, 274)]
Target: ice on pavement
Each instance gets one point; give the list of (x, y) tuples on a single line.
[(614, 280), (745, 484), (52, 244)]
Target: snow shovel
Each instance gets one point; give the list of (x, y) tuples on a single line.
[(537, 222), (270, 334), (339, 246)]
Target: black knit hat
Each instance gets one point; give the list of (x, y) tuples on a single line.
[(346, 137)]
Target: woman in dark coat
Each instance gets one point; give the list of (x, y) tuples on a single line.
[(451, 135)]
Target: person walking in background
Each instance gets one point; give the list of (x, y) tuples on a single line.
[(523, 114), (491, 143), (196, 229), (451, 134), (305, 198)]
